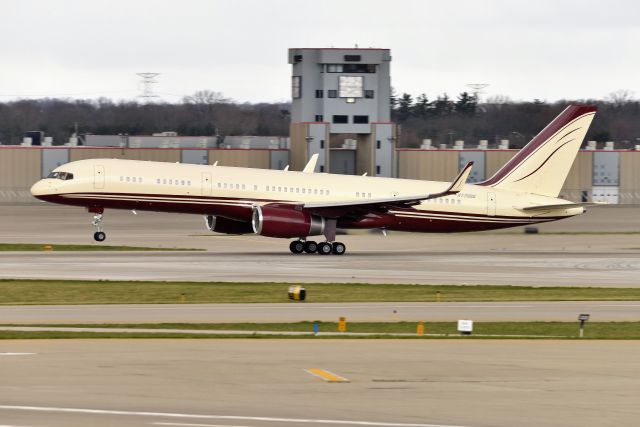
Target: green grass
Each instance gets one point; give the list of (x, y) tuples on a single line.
[(23, 292), (40, 247), (566, 330)]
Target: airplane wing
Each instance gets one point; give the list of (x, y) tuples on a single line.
[(339, 208), (560, 206)]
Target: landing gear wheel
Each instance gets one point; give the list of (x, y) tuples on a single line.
[(339, 248), (310, 246), (297, 246), (99, 236), (324, 248)]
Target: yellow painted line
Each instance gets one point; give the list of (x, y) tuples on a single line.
[(327, 376)]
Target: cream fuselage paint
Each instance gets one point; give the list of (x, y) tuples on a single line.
[(204, 189)]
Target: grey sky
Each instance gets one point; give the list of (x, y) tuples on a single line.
[(525, 49)]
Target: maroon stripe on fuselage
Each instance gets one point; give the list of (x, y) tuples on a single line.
[(565, 119), (406, 219)]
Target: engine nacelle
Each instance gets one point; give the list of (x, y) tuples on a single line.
[(224, 225), (286, 222)]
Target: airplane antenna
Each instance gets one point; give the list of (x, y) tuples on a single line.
[(146, 84), (477, 89)]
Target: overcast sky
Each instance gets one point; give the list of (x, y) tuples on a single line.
[(524, 49)]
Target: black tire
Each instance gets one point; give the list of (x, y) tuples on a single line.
[(310, 246), (339, 248), (324, 248), (99, 236), (296, 247)]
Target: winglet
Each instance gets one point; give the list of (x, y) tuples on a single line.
[(286, 168), (460, 180), (311, 165)]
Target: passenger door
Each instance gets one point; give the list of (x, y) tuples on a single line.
[(98, 177)]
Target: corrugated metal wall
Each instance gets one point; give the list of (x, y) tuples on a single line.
[(243, 158), (630, 178), (20, 168), (156, 155), (495, 159), (428, 164)]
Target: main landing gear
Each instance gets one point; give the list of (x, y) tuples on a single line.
[(99, 235), (323, 248)]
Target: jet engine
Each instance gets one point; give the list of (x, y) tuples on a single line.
[(220, 224), (285, 221)]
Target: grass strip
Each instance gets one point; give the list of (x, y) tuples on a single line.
[(44, 292), (482, 330), (49, 247)]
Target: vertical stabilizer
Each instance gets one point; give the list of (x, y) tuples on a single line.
[(542, 166)]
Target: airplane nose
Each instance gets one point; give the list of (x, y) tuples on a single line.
[(40, 188)]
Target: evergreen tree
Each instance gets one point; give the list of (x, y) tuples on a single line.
[(442, 106), (421, 108), (405, 106), (466, 104)]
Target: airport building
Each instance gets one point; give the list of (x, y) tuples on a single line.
[(600, 175), (340, 110)]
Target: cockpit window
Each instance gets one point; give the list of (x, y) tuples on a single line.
[(65, 176)]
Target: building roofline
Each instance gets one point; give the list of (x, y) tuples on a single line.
[(338, 48)]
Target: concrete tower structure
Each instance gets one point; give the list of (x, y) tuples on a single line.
[(338, 95)]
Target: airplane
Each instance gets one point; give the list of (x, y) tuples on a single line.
[(299, 205)]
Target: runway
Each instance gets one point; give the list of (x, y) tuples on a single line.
[(477, 258), (561, 311), (255, 383), (544, 269)]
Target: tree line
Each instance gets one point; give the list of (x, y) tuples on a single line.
[(442, 119)]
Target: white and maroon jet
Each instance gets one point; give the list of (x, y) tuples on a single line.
[(288, 204)]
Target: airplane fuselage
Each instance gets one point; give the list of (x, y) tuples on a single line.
[(232, 192)]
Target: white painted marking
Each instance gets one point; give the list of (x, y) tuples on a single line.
[(215, 417), (195, 425), (16, 354)]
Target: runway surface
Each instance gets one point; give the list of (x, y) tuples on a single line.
[(299, 312), (567, 269), (255, 383), (477, 258)]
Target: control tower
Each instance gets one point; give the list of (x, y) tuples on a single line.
[(341, 110)]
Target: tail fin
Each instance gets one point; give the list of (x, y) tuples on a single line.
[(542, 166)]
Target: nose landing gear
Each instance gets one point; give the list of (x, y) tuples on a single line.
[(99, 235)]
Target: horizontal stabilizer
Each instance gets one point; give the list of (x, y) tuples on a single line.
[(560, 206)]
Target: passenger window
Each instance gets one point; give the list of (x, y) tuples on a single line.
[(369, 195), (303, 191), (243, 186), (255, 187), (182, 182), (188, 182), (357, 194), (237, 186), (327, 192), (164, 180), (121, 178), (157, 180), (128, 179)]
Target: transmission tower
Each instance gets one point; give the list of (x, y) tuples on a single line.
[(146, 85), (477, 89)]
